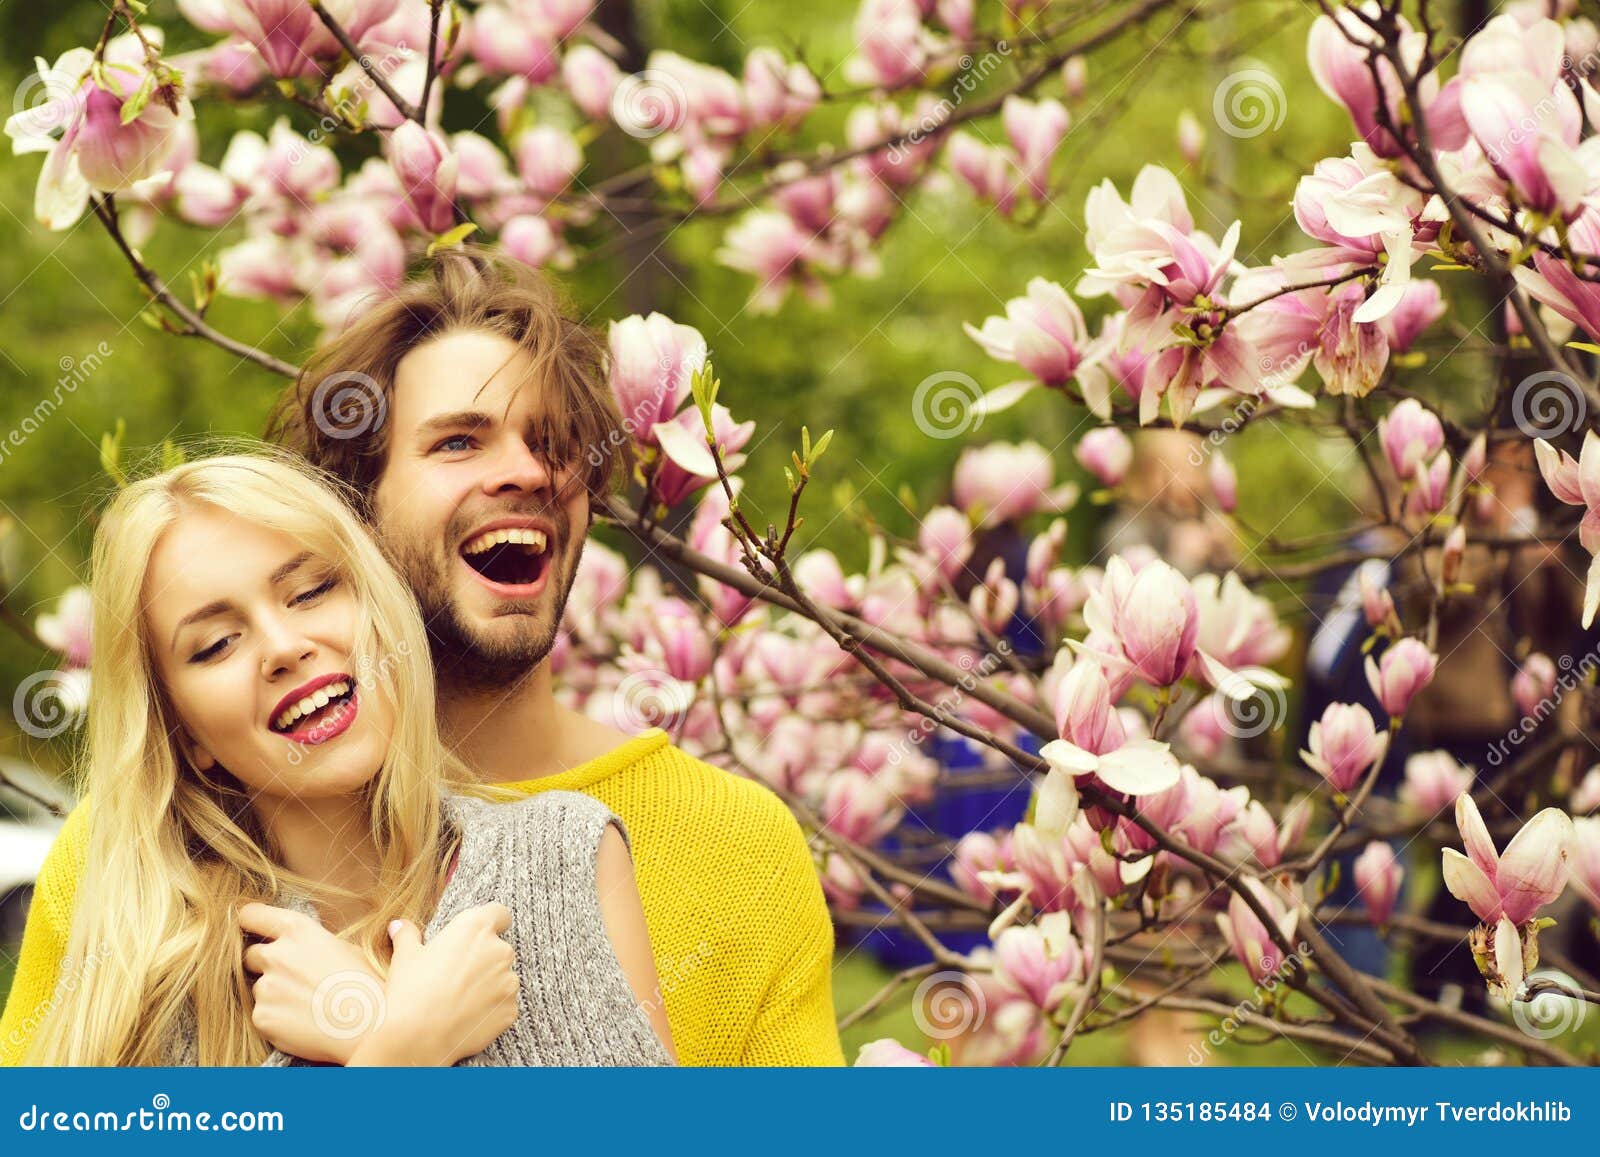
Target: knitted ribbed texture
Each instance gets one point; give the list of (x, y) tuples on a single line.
[(537, 857), (741, 935)]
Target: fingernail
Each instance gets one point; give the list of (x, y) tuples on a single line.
[(394, 927)]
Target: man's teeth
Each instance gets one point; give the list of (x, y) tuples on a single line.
[(319, 698), (523, 536)]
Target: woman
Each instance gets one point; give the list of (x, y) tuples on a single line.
[(262, 750)]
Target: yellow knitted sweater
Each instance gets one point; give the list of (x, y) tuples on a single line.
[(742, 939)]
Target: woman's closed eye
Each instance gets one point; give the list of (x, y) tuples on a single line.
[(213, 651), (316, 592)]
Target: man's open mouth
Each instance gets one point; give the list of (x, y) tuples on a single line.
[(513, 556), (318, 711)]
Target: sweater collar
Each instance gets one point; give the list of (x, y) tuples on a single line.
[(618, 759)]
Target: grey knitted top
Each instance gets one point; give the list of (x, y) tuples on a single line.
[(537, 857)]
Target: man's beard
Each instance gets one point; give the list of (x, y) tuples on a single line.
[(469, 658)]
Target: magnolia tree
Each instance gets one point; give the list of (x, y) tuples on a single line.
[(1171, 838)]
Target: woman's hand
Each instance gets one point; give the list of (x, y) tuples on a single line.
[(449, 998), (315, 995)]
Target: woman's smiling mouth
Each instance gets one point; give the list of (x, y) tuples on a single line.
[(317, 711)]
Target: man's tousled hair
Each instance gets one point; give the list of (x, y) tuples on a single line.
[(336, 413)]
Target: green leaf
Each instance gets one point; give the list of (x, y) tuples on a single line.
[(821, 447), (111, 453), (452, 238), (1586, 347), (134, 105)]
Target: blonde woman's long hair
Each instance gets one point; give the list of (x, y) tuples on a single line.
[(172, 853)]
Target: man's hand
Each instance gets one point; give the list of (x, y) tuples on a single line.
[(316, 997)]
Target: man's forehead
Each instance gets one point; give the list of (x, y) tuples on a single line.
[(440, 379)]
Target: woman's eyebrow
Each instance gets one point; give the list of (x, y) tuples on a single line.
[(289, 567), (210, 610)]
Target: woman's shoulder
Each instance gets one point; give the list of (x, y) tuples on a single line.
[(561, 816)]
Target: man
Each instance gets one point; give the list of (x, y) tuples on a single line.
[(464, 412)]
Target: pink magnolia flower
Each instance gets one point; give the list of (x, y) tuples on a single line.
[(1045, 334), (772, 248), (1350, 355), (511, 40), (988, 169), (1338, 52), (1378, 876), (67, 628), (1043, 960), (1252, 944), (427, 171), (1191, 137), (1344, 745), (591, 78), (893, 46), (283, 32), (1224, 482), (548, 159), (1238, 628), (993, 602), (1533, 685), (778, 91), (1430, 489), (1514, 885), (1421, 304), (945, 537), (1577, 483), (890, 1054), (1553, 283), (82, 130), (859, 807), (1094, 743), (532, 240), (1106, 452), (1003, 480), (686, 464), (1515, 101), (1410, 435), (1434, 781), (1406, 668), (976, 855), (1585, 853), (1035, 129), (653, 363)]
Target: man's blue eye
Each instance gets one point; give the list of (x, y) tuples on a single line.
[(455, 442)]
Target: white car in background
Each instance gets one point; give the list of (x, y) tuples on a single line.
[(27, 829)]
